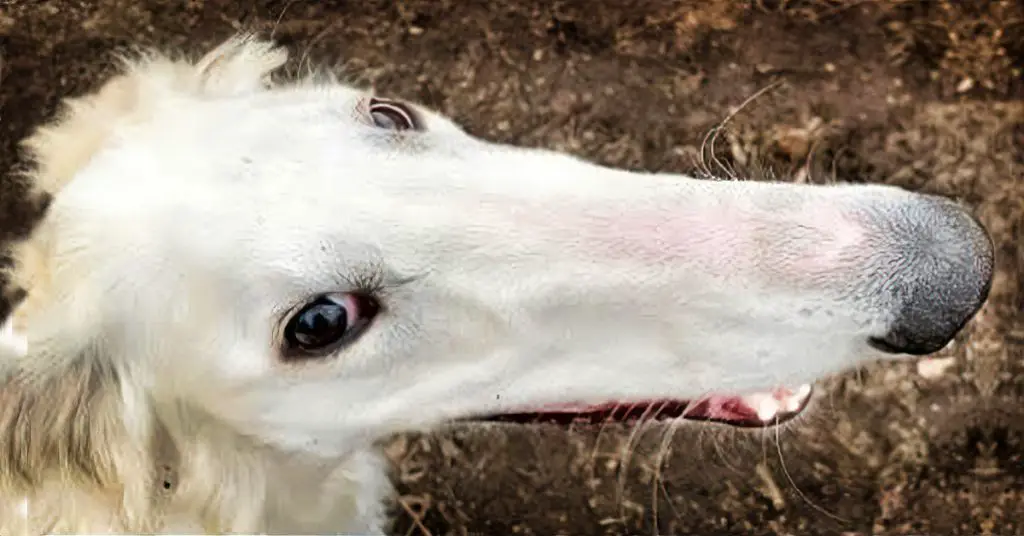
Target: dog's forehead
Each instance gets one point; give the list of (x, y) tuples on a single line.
[(270, 176), (268, 143)]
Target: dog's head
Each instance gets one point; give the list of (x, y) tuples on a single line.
[(313, 265)]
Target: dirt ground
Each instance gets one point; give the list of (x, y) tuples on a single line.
[(925, 94)]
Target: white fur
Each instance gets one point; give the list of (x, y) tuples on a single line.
[(11, 342), (196, 204)]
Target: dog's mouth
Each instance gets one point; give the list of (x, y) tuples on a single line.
[(757, 410)]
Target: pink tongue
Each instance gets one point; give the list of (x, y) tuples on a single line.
[(753, 409)]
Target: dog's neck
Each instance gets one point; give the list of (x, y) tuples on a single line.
[(237, 484), (209, 479)]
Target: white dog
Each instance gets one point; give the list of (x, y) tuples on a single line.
[(241, 284)]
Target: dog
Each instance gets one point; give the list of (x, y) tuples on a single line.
[(241, 283)]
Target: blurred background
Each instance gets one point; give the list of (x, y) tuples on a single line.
[(925, 94)]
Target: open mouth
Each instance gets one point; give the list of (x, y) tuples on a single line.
[(755, 410)]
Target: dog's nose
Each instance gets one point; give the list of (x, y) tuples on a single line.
[(946, 259)]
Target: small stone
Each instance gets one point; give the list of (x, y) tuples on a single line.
[(934, 367), (965, 85)]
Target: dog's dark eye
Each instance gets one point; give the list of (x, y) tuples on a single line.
[(392, 115), (328, 321)]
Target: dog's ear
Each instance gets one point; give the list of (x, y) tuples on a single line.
[(67, 414), (73, 410), (241, 64)]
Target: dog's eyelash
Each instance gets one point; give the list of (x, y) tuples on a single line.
[(369, 282), (374, 280)]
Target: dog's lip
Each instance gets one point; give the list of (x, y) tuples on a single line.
[(755, 410)]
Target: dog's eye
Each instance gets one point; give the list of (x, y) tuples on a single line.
[(392, 115), (328, 321)]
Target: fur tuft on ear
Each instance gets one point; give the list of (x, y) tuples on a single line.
[(240, 65)]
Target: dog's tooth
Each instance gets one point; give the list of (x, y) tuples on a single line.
[(767, 408), (795, 402)]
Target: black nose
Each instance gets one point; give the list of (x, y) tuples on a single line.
[(949, 261)]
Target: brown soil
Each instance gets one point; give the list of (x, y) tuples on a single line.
[(925, 94)]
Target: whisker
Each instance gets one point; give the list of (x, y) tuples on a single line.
[(660, 459), (796, 488), (280, 17), (714, 132)]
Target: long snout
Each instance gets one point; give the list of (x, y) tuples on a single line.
[(715, 284), (909, 269)]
